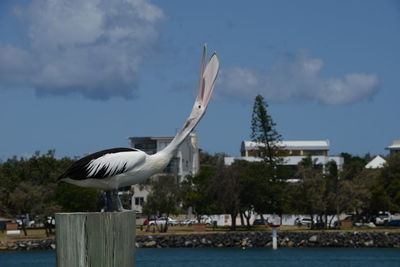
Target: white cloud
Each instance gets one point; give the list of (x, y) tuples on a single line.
[(297, 77), (93, 47)]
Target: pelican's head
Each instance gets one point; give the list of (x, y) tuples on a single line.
[(208, 75), (198, 110)]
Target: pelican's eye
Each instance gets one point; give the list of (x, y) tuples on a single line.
[(199, 106)]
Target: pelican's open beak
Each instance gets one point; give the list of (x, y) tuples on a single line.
[(208, 76)]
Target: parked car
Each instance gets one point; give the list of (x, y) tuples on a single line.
[(205, 219), (188, 222), (306, 221), (382, 219), (161, 221), (23, 220), (148, 220)]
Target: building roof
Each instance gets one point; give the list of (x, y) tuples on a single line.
[(151, 137), (165, 138), (376, 162), (395, 145), (291, 145)]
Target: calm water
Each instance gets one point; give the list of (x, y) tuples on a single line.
[(231, 257)]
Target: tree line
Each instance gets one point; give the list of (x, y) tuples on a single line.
[(246, 187), (29, 186)]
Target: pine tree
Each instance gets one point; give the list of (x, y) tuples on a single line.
[(263, 132)]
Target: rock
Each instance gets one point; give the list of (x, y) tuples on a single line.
[(369, 243), (290, 244), (244, 242), (205, 241), (313, 238), (149, 244), (3, 245), (188, 243), (53, 246)]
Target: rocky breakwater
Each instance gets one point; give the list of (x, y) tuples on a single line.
[(239, 239), (43, 244), (264, 239)]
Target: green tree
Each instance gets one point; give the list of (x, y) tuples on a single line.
[(28, 198), (308, 195), (263, 132), (225, 188), (77, 199), (195, 194), (38, 170), (391, 180), (255, 188), (163, 198), (353, 165)]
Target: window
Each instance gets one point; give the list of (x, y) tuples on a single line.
[(162, 144), (172, 166), (148, 146), (139, 201), (313, 153)]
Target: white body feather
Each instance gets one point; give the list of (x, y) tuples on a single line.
[(140, 167)]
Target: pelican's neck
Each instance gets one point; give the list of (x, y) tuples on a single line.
[(187, 128), (171, 149)]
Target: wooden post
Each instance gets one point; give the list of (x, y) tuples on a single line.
[(96, 239)]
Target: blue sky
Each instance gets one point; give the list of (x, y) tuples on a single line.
[(82, 76)]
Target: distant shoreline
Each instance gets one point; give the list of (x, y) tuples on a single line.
[(321, 239)]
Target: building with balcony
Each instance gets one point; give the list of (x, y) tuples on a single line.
[(293, 152), (288, 148)]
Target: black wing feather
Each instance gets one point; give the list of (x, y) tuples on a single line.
[(79, 169)]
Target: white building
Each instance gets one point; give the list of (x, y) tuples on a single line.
[(394, 148), (186, 161), (293, 152)]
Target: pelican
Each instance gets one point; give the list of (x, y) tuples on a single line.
[(113, 168)]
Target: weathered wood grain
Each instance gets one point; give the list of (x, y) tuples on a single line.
[(98, 239)]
